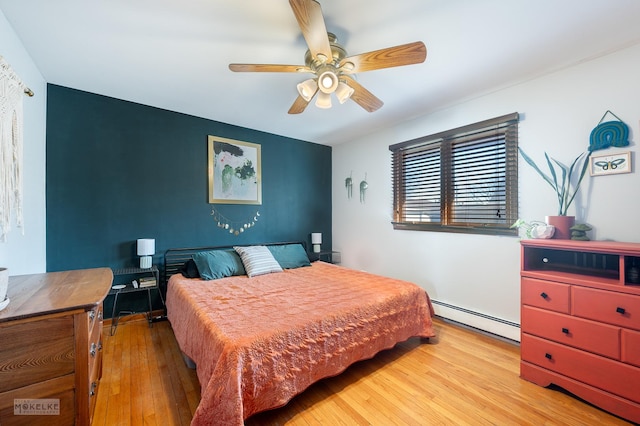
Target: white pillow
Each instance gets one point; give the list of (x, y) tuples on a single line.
[(258, 260)]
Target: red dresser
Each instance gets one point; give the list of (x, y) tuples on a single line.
[(580, 320)]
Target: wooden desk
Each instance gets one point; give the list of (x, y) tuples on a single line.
[(50, 345)]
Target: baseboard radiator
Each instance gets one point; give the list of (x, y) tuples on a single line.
[(477, 320)]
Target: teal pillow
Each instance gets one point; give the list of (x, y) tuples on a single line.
[(290, 256), (216, 264)]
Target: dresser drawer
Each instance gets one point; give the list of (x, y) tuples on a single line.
[(591, 336), (50, 354), (95, 347), (631, 347), (606, 374), (94, 317), (93, 398), (60, 388), (606, 306), (545, 294)]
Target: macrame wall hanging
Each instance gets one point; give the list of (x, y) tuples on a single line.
[(234, 227), (11, 126), (609, 133)]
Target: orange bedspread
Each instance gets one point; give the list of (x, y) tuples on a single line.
[(259, 341)]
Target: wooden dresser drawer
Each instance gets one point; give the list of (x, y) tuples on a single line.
[(50, 354), (94, 317), (594, 337), (631, 347), (545, 294), (609, 375), (60, 388), (95, 347), (95, 360), (607, 306), (93, 398)]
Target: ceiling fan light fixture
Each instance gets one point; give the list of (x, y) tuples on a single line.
[(344, 92), (307, 89), (323, 100), (327, 81), (330, 64)]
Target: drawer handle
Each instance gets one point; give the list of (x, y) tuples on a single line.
[(620, 310), (544, 295), (92, 392), (548, 356), (100, 346), (92, 315), (565, 330), (92, 351)]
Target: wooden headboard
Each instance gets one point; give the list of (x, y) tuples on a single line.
[(175, 258)]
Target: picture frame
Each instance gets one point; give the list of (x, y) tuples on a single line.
[(609, 164), (234, 171)]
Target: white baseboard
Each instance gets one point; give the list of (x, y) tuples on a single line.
[(493, 325)]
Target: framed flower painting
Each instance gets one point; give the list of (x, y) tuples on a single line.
[(234, 171)]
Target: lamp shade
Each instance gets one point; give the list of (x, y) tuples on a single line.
[(307, 89), (344, 92), (316, 240), (327, 80), (323, 100), (146, 247)]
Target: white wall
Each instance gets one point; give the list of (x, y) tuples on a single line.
[(25, 254), (481, 273)]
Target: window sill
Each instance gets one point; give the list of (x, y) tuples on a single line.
[(431, 227)]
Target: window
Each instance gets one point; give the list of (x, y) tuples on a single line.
[(460, 180)]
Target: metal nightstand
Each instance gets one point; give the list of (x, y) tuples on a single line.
[(330, 256), (139, 272)]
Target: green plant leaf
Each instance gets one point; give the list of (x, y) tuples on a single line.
[(585, 165), (537, 169), (559, 189), (561, 184), (565, 188)]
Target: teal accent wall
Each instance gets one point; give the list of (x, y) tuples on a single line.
[(118, 171)]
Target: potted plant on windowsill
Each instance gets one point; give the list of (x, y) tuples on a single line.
[(562, 185)]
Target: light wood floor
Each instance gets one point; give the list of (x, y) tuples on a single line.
[(459, 378)]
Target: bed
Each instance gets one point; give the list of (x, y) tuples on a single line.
[(257, 340)]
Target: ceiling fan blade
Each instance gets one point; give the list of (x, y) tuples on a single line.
[(404, 54), (268, 68), (309, 16), (299, 105), (362, 96)]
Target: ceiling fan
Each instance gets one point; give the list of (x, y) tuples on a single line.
[(333, 70)]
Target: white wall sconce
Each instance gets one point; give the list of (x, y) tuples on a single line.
[(316, 240), (146, 249)]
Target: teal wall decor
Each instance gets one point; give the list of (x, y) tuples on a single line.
[(608, 134)]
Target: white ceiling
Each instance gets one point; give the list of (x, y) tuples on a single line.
[(173, 54)]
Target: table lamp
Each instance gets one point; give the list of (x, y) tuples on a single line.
[(146, 249), (316, 240)]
